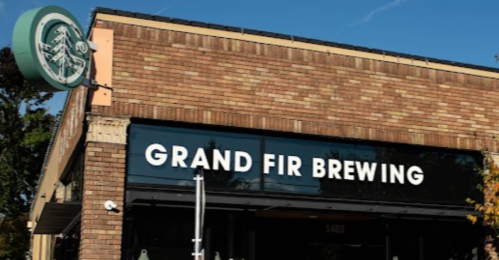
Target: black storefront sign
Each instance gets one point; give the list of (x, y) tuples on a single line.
[(349, 170)]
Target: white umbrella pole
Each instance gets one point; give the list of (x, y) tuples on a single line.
[(197, 236)]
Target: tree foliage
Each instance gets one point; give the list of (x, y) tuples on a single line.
[(25, 131), (14, 238), (489, 208)]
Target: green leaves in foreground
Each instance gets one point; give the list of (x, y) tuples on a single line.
[(25, 131)]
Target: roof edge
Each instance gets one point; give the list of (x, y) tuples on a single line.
[(171, 20)]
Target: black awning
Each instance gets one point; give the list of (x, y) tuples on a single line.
[(276, 202), (56, 216)]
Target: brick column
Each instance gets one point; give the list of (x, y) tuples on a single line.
[(104, 179)]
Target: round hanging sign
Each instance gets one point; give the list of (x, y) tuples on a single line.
[(50, 49)]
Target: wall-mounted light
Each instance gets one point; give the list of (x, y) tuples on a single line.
[(110, 205)]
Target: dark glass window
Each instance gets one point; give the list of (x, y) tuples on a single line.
[(165, 231), (68, 246), (160, 232), (270, 235), (140, 171), (74, 181), (397, 173), (457, 170)]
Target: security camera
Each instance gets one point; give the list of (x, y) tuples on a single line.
[(110, 205)]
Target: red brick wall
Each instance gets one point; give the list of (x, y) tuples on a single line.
[(168, 75), (104, 179)]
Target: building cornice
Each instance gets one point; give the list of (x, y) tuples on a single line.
[(297, 43)]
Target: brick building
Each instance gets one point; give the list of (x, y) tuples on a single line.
[(310, 149)]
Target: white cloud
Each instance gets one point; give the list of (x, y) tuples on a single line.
[(2, 6), (368, 17)]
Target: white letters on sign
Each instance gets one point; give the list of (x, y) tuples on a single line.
[(156, 154), (287, 165)]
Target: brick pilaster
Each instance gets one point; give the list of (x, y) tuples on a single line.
[(104, 179)]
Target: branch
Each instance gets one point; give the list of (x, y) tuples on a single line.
[(3, 153), (18, 176)]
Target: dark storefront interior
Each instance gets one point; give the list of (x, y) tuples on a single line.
[(263, 213), (166, 232)]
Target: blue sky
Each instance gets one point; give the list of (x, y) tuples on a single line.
[(457, 30)]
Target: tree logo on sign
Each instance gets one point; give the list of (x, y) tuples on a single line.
[(65, 55), (50, 49)]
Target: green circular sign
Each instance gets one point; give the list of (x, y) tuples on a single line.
[(50, 49)]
